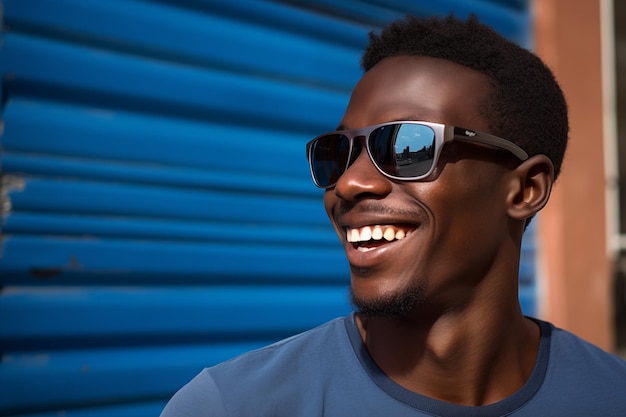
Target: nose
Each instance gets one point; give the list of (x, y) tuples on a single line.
[(362, 179)]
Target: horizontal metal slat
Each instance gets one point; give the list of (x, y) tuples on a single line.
[(290, 19), (508, 17), (56, 317), (35, 260), (119, 199), (107, 378), (366, 12), (82, 169), (49, 224), (39, 127), (164, 31), (41, 67), (138, 408)]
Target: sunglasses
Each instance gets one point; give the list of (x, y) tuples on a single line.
[(404, 150)]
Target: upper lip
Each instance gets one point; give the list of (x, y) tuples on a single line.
[(372, 214)]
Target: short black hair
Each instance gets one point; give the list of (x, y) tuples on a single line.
[(525, 105)]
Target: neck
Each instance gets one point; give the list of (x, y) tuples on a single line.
[(475, 357)]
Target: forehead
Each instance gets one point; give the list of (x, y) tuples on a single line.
[(418, 88)]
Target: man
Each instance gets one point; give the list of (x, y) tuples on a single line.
[(449, 146)]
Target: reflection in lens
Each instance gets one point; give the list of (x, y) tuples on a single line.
[(403, 149)]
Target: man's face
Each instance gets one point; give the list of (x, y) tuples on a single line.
[(454, 223)]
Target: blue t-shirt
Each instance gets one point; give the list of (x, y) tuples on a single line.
[(327, 371)]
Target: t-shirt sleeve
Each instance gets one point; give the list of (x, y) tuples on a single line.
[(201, 397)]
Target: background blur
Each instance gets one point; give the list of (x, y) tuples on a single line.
[(157, 211)]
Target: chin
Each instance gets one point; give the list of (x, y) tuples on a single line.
[(391, 305)]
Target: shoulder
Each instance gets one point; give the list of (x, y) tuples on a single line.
[(263, 376), (584, 374), (577, 353), (283, 368), (295, 348), (199, 398)]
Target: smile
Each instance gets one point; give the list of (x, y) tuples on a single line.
[(369, 237)]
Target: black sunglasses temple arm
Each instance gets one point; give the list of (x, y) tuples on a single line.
[(487, 139)]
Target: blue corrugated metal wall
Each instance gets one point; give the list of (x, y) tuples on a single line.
[(157, 212)]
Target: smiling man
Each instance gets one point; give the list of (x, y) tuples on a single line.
[(449, 146)]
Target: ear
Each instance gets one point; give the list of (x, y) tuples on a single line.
[(530, 187)]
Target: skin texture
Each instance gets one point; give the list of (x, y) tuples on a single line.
[(464, 340)]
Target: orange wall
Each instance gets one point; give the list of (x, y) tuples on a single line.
[(574, 268)]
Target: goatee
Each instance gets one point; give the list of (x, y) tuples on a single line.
[(389, 305)]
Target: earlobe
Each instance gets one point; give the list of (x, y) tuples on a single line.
[(530, 187)]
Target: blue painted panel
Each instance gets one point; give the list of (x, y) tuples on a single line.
[(510, 18), (138, 319), (92, 226), (49, 315), (212, 179), (105, 377), (53, 128), (85, 260), (291, 19), (180, 35), (158, 212), (132, 409), (129, 409), (45, 67), (107, 198)]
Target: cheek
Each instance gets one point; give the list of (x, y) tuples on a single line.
[(476, 231), (330, 202), (468, 204)]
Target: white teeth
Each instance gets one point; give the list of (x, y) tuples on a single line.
[(367, 233)]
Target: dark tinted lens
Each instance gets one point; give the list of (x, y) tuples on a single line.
[(403, 149), (329, 158)]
